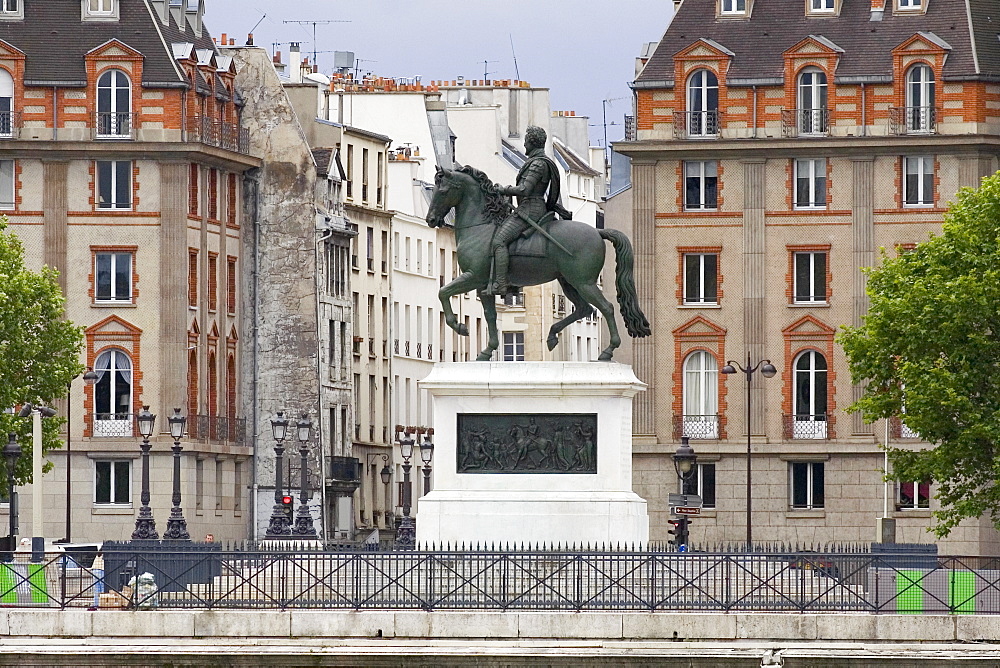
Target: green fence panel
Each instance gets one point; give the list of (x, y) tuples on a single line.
[(962, 592), (909, 591), (8, 584)]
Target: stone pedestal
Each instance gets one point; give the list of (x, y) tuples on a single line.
[(556, 488)]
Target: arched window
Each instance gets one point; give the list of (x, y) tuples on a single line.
[(114, 105), (113, 394), (6, 105), (213, 386), (812, 99), (701, 395), (231, 387), (810, 396), (920, 98), (192, 385), (703, 104)]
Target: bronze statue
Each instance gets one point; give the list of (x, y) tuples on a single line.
[(533, 210)]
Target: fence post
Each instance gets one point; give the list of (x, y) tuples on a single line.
[(62, 580)]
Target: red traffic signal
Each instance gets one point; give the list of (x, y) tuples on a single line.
[(286, 500), (286, 505)]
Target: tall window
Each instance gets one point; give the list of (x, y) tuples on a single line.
[(701, 279), (213, 194), (193, 197), (213, 281), (513, 346), (114, 277), (701, 185), (734, 6), (918, 181), (812, 101), (806, 484), (6, 104), (810, 277), (7, 194), (810, 183), (913, 495), (192, 278), (350, 171), (114, 105), (810, 396), (703, 104), (702, 483), (113, 482), (114, 184), (701, 395), (113, 395), (920, 98), (231, 285)]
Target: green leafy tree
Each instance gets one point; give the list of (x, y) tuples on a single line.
[(39, 349), (929, 353)]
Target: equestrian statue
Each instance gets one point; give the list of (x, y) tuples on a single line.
[(502, 248)]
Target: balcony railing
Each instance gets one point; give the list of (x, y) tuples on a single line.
[(114, 125), (696, 124), (214, 132), (899, 430), (114, 425), (912, 120), (801, 426), (696, 426), (216, 428), (805, 122), (10, 124)]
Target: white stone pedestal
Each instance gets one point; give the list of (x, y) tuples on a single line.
[(534, 508)]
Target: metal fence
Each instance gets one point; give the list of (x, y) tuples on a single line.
[(509, 580)]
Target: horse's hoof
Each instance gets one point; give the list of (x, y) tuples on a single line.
[(462, 330), (485, 356), (605, 356), (552, 341)]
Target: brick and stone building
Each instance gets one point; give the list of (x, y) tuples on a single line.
[(776, 147), (122, 165)]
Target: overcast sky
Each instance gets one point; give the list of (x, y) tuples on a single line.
[(582, 50)]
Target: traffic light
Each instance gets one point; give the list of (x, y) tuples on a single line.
[(679, 531), (286, 505)]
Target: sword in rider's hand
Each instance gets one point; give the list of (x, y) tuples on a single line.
[(538, 226)]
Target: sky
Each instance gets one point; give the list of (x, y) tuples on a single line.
[(582, 50)]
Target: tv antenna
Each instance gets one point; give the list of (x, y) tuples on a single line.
[(604, 108), (314, 24), (486, 75), (517, 74)]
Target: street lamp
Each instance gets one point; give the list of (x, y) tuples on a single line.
[(145, 525), (386, 476), (768, 371), (89, 377), (278, 527), (406, 535), (176, 525), (11, 453), (426, 455), (37, 512), (685, 461), (304, 526)]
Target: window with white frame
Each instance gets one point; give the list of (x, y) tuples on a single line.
[(810, 277), (113, 394), (703, 104), (810, 183), (113, 272), (920, 98), (114, 105), (810, 400), (11, 9), (701, 179), (702, 483), (918, 181), (701, 395), (7, 200), (113, 482), (733, 7), (813, 114), (513, 346), (7, 125), (114, 184), (806, 485), (100, 6), (909, 4), (822, 6), (913, 495), (701, 279)]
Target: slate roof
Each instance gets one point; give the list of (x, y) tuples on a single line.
[(777, 25), (55, 40), (571, 160)]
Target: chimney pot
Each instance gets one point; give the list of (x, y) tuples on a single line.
[(224, 40), (249, 39)]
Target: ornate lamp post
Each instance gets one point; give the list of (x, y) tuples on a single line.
[(684, 463), (768, 371), (426, 455), (11, 453), (406, 535), (145, 525), (278, 527), (176, 525), (90, 377), (304, 526)]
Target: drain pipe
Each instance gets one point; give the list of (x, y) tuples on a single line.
[(864, 117), (755, 112)]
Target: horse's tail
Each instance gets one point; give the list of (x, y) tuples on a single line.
[(628, 303)]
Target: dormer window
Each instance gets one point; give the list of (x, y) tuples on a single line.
[(822, 6), (910, 5), (11, 9), (733, 7), (100, 10), (100, 6)]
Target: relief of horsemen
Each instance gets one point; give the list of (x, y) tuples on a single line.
[(539, 443)]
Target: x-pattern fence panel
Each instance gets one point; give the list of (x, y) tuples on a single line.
[(510, 580)]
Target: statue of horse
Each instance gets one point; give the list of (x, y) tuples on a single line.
[(575, 259)]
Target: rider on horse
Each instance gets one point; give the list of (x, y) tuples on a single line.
[(538, 174)]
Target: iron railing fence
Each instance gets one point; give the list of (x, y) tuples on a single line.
[(697, 124), (913, 120), (217, 428), (215, 132), (493, 579), (805, 122)]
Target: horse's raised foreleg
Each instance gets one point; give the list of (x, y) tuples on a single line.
[(489, 303), (592, 294), (464, 283), (581, 309)]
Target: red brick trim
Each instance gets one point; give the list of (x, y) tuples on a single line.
[(98, 339), (705, 250), (92, 277), (686, 342), (790, 276), (797, 341)]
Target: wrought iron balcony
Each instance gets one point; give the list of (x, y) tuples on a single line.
[(216, 428), (114, 125), (899, 430), (912, 120), (696, 426), (805, 122), (802, 426), (344, 475), (697, 124), (10, 124), (113, 425), (214, 132)]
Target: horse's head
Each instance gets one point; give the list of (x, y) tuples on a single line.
[(447, 193)]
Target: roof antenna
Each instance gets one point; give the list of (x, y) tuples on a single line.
[(517, 75), (249, 41)]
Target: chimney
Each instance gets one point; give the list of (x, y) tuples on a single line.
[(279, 66), (195, 11), (294, 63), (878, 5), (249, 39)]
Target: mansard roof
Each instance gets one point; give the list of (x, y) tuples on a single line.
[(55, 39), (969, 28)]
